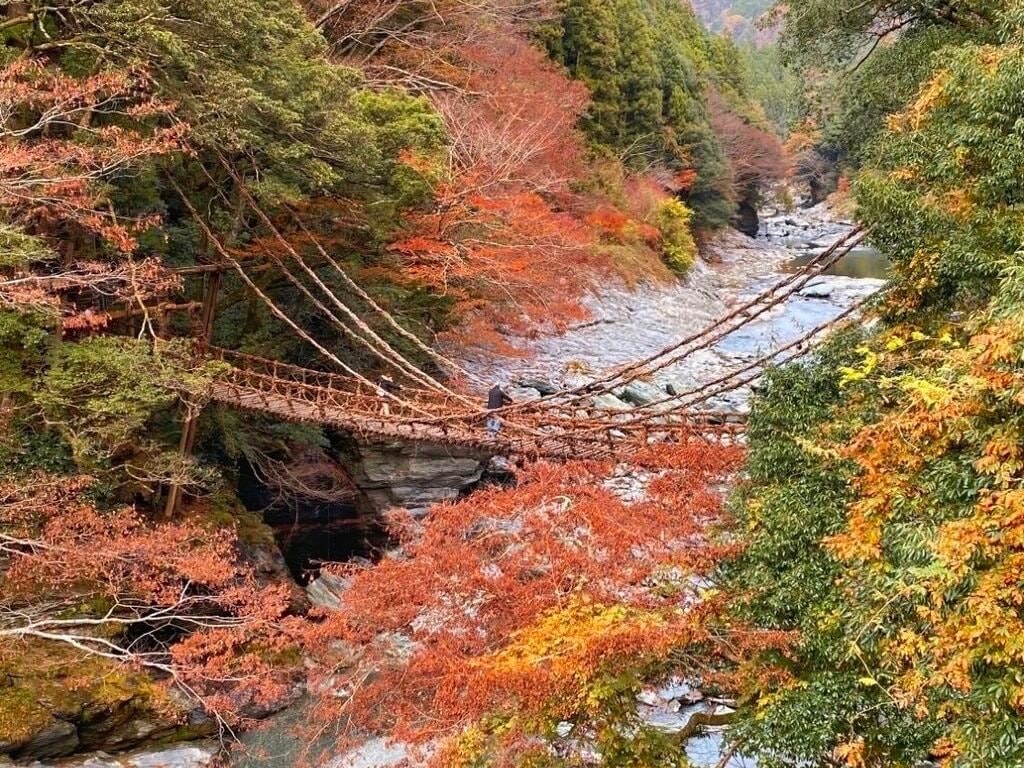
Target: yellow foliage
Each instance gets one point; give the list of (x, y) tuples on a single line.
[(931, 96), (850, 753), (561, 639), (968, 603)]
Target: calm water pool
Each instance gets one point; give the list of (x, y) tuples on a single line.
[(862, 261)]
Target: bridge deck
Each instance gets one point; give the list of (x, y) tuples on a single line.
[(548, 433)]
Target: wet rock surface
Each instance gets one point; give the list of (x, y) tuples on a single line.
[(194, 755)]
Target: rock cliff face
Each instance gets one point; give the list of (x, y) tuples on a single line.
[(412, 476), (47, 716)]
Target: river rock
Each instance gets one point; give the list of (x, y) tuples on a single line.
[(195, 755), (522, 394), (640, 393), (818, 289), (609, 402), (544, 387), (375, 753), (58, 738), (326, 590), (677, 387)]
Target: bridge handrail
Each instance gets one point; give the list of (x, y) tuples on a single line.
[(309, 376)]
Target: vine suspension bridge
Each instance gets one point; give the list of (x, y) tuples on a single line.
[(560, 426)]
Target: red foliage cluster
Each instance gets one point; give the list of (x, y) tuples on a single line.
[(50, 179), (499, 236), (176, 599), (66, 291), (756, 157), (610, 222), (62, 139), (432, 639)]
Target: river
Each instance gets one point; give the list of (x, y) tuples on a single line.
[(629, 324)]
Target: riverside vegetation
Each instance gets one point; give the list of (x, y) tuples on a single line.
[(475, 167)]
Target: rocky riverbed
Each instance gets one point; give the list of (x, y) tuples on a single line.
[(625, 324)]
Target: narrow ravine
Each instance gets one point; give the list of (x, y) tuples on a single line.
[(624, 325)]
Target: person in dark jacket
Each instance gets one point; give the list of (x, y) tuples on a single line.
[(386, 386), (496, 398)]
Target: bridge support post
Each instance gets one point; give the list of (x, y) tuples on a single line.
[(190, 427)]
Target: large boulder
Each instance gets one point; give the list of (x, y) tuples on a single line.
[(746, 219), (203, 754), (327, 590), (541, 385), (609, 402)]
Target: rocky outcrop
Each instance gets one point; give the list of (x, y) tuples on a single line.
[(117, 711), (396, 474), (327, 590), (746, 219), (196, 755)]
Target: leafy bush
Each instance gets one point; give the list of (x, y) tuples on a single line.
[(677, 244)]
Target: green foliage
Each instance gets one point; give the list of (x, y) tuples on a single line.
[(103, 394), (18, 249), (823, 34), (251, 77), (24, 339), (779, 89), (864, 62), (794, 498), (883, 490), (677, 244), (648, 64), (882, 85), (942, 189)]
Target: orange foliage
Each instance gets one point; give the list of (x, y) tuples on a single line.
[(516, 600), (958, 611), (756, 157), (60, 148), (48, 179), (497, 236), (176, 599)]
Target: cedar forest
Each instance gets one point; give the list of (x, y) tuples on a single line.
[(472, 168)]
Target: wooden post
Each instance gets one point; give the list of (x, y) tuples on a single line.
[(190, 428)]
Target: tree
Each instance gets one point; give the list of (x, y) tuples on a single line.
[(882, 503), (66, 142), (500, 617), (757, 159), (170, 599)]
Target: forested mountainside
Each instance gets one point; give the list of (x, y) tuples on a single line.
[(368, 188), (743, 20)]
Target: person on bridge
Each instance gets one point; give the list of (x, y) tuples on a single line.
[(386, 387), (496, 398)]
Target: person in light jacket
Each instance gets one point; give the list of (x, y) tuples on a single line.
[(386, 386)]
